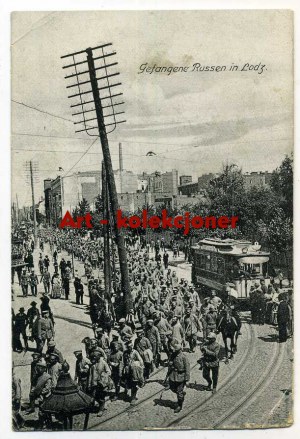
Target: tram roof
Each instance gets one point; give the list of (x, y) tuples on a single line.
[(232, 247)]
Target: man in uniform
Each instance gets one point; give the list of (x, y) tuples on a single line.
[(20, 328), (102, 340), (33, 380), (165, 331), (210, 360), (42, 388), (53, 350), (125, 330), (116, 365), (46, 277), (98, 379), (178, 372), (33, 280), (45, 329), (54, 367), (152, 334), (143, 346), (191, 326), (82, 367), (24, 282)]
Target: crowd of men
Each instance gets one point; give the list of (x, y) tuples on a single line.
[(167, 318)]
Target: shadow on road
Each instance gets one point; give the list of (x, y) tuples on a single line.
[(271, 338), (76, 322)]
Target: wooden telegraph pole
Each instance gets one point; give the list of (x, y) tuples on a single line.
[(96, 85), (33, 204), (107, 271)]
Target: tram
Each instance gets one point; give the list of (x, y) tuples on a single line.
[(219, 262)]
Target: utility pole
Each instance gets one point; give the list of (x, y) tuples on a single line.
[(92, 85), (17, 202), (107, 271), (33, 204)]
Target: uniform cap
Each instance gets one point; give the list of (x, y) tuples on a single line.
[(42, 363), (212, 335), (150, 321), (122, 320), (76, 353), (54, 355), (36, 355), (98, 330), (51, 343)]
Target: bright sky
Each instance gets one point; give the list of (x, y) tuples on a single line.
[(193, 121)]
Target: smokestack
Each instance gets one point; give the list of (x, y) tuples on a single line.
[(120, 157)]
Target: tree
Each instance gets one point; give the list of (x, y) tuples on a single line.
[(282, 185)]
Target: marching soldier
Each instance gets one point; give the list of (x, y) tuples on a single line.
[(191, 326), (178, 372), (42, 389), (152, 334), (82, 367), (144, 348), (33, 280), (210, 361), (98, 381), (53, 350), (133, 370), (45, 330), (116, 364)]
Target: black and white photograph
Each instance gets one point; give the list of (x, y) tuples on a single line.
[(152, 281)]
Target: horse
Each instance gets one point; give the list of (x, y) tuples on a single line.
[(227, 325)]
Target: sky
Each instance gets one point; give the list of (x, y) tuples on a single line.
[(193, 121)]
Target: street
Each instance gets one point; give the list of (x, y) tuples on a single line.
[(259, 363)]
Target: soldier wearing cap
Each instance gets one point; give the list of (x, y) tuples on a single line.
[(45, 330), (115, 338), (34, 374), (210, 361), (153, 336), (20, 329), (42, 389), (215, 300), (54, 367), (143, 346), (116, 364), (178, 372), (32, 313), (24, 282), (98, 380), (211, 319), (53, 350), (33, 280), (94, 347), (177, 329), (102, 340), (133, 370), (82, 367), (191, 326), (125, 330), (165, 331)]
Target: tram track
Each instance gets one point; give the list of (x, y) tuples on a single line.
[(140, 403), (250, 397), (223, 385), (150, 398)]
